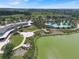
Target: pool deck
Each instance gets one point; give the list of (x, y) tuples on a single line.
[(61, 25)]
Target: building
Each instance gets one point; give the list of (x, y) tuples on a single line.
[(8, 29)]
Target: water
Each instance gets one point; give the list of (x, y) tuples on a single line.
[(61, 25)]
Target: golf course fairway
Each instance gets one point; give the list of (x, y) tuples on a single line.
[(58, 47)]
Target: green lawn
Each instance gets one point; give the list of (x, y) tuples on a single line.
[(32, 28), (0, 56), (58, 47), (16, 39)]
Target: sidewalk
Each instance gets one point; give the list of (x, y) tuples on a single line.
[(3, 43), (25, 35)]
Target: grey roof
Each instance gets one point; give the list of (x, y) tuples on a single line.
[(6, 28)]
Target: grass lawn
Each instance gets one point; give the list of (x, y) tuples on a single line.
[(16, 39), (0, 56), (58, 47), (13, 57), (32, 28)]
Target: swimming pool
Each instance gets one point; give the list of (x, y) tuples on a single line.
[(60, 25)]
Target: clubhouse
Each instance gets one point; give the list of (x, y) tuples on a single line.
[(9, 28)]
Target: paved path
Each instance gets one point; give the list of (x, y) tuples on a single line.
[(25, 35), (3, 43)]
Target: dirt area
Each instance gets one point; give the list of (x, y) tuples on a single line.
[(20, 52)]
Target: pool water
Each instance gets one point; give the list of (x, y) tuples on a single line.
[(60, 25)]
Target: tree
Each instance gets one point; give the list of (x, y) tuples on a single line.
[(31, 50), (39, 22), (27, 13), (8, 51), (2, 21)]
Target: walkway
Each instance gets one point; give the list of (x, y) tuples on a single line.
[(3, 43), (25, 35)]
